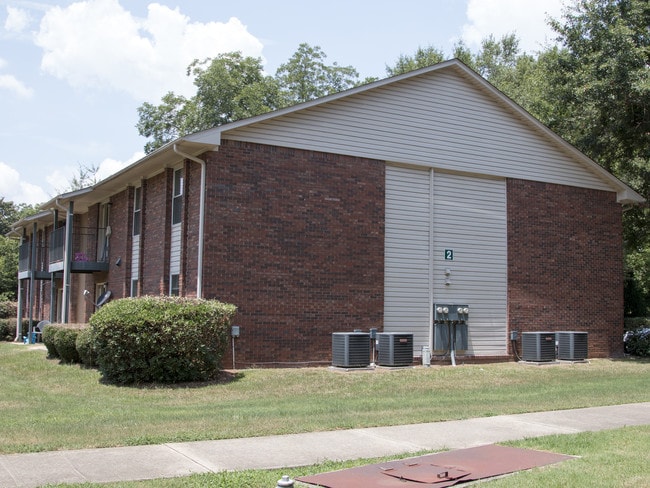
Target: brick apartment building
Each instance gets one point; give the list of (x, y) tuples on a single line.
[(358, 210)]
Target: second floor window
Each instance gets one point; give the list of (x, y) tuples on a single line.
[(137, 207), (177, 197)]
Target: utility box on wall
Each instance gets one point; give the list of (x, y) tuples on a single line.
[(450, 324), (395, 349), (441, 338), (351, 349)]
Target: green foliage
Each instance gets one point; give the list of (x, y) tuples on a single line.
[(65, 341), (423, 57), (7, 329), (306, 76), (633, 323), (638, 343), (86, 348), (49, 339), (161, 339), (231, 87), (8, 309)]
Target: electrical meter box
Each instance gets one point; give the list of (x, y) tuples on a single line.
[(450, 321)]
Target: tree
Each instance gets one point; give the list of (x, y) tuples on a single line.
[(600, 80), (422, 58), (232, 87), (9, 214), (229, 87), (306, 76)]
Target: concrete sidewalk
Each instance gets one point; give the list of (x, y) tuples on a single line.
[(182, 459)]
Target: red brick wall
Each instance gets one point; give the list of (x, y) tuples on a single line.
[(565, 263), (154, 236), (121, 222), (295, 239)]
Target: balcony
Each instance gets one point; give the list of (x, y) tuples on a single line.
[(89, 250), (40, 271)]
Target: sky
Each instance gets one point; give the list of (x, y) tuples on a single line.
[(73, 73)]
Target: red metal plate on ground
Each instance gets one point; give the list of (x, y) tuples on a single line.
[(426, 473), (478, 462)]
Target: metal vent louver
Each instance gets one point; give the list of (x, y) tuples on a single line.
[(395, 349), (350, 349), (572, 346), (538, 346)]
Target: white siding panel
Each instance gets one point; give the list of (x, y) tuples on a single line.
[(439, 120), (175, 250), (135, 258), (407, 253), (470, 218)]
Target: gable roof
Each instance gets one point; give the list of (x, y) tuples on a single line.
[(444, 116)]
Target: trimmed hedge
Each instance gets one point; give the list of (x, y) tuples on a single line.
[(86, 348), (8, 309), (49, 333), (60, 341), (161, 339), (8, 329), (65, 341)]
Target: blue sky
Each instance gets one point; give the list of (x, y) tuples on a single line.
[(73, 73)]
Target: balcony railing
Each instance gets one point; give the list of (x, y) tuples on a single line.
[(25, 261), (89, 249)]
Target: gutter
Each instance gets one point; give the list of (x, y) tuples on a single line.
[(199, 267)]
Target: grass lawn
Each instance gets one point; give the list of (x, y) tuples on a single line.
[(48, 406)]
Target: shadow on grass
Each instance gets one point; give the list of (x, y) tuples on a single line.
[(632, 359), (224, 377)]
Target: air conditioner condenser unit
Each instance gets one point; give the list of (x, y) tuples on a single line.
[(538, 346), (351, 349), (394, 349)]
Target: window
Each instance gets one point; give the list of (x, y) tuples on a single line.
[(174, 285), (177, 197), (134, 288), (137, 206)]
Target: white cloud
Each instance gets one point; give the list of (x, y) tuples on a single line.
[(13, 188), (111, 166), (11, 83), (525, 18), (59, 179), (17, 20), (97, 43)]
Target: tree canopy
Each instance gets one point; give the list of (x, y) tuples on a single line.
[(231, 87)]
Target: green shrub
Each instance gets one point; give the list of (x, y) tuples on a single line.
[(7, 329), (634, 323), (85, 348), (637, 342), (65, 341), (8, 309), (48, 339), (161, 339)]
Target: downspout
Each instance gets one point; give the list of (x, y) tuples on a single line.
[(199, 267)]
